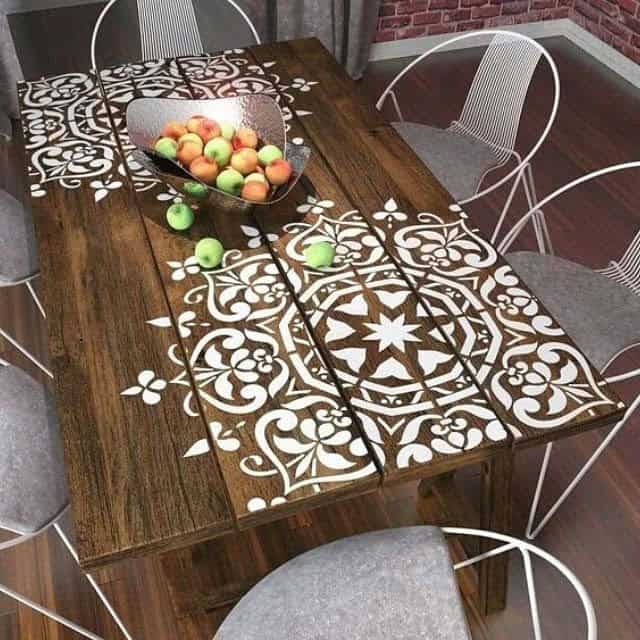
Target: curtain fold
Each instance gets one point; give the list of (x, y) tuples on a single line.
[(10, 74), (345, 27)]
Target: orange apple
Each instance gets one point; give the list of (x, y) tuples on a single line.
[(245, 137), (204, 169), (245, 161), (278, 172), (188, 151), (193, 123), (173, 130), (208, 130), (255, 191)]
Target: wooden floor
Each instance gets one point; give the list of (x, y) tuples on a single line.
[(597, 532)]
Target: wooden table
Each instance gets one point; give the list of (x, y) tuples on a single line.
[(196, 403)]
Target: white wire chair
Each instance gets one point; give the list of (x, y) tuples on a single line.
[(492, 111), (27, 602), (527, 550), (168, 28), (626, 272), (22, 537), (17, 275)]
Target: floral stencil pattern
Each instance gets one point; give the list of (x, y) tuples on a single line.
[(69, 128)]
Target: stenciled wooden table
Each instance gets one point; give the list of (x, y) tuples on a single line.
[(197, 403)]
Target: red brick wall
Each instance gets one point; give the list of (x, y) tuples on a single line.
[(617, 22)]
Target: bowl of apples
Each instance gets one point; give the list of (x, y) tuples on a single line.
[(232, 152)]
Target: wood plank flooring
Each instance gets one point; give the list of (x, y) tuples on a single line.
[(596, 533)]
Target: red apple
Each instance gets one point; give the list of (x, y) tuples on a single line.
[(255, 191), (278, 172), (204, 169), (245, 137), (188, 151), (245, 161), (193, 123), (173, 130), (208, 130)]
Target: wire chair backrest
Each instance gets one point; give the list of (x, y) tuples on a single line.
[(496, 98), (169, 28), (626, 271), (503, 91)]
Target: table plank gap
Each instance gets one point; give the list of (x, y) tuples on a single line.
[(98, 337), (260, 486), (380, 164)]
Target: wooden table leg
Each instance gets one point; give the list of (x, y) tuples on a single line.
[(496, 513)]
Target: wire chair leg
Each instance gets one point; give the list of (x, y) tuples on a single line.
[(540, 213), (48, 613), (531, 534), (25, 353), (35, 297), (536, 497), (506, 207), (93, 583), (535, 219)]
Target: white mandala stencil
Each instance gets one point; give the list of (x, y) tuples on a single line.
[(516, 351), (68, 127), (244, 376)]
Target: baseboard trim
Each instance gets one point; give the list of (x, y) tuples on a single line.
[(602, 52), (565, 27)]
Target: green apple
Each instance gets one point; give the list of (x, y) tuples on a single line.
[(180, 216), (195, 190), (230, 181), (209, 252), (219, 150), (167, 147), (228, 130), (268, 154), (319, 254), (257, 177)]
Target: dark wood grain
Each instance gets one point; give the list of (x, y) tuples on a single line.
[(441, 422), (380, 166), (100, 286), (370, 280), (592, 225), (496, 515), (253, 329)]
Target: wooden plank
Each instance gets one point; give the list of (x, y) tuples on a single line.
[(405, 407), (496, 515), (540, 384), (269, 425), (415, 399), (100, 286)]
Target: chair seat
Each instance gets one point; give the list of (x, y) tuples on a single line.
[(602, 316), (456, 160), (33, 488), (396, 583), (18, 251)]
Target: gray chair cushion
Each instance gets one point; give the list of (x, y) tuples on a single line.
[(396, 583), (456, 160), (600, 315), (33, 488), (18, 252)]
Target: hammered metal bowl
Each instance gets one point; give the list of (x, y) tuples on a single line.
[(146, 118)]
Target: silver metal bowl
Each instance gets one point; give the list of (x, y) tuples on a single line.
[(146, 118)]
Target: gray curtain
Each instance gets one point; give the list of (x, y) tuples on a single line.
[(10, 74), (345, 27)]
